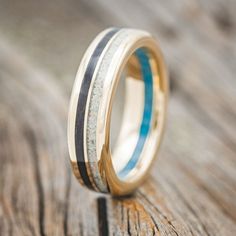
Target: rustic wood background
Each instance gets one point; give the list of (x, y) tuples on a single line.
[(192, 187)]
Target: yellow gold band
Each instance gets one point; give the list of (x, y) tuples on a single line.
[(114, 54)]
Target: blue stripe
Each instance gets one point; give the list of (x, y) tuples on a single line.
[(147, 113)]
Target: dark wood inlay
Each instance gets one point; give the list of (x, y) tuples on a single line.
[(80, 113)]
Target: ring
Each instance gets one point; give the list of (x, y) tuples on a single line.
[(126, 60)]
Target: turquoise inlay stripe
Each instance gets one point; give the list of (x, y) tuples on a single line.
[(147, 113)]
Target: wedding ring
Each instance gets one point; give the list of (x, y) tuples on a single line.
[(117, 56)]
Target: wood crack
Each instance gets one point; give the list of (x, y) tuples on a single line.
[(190, 208), (159, 212), (66, 205), (128, 223), (31, 139)]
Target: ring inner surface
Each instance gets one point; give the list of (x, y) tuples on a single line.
[(132, 114)]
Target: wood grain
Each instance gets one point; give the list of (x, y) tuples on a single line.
[(192, 187)]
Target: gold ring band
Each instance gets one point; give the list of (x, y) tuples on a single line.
[(113, 55)]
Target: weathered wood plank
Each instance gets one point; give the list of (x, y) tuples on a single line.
[(191, 190)]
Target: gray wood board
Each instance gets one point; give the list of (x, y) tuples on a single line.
[(192, 187)]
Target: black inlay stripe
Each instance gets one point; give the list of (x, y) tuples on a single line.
[(80, 113)]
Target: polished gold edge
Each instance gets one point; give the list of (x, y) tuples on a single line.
[(117, 186)]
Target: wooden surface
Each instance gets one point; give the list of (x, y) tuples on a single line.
[(192, 187)]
